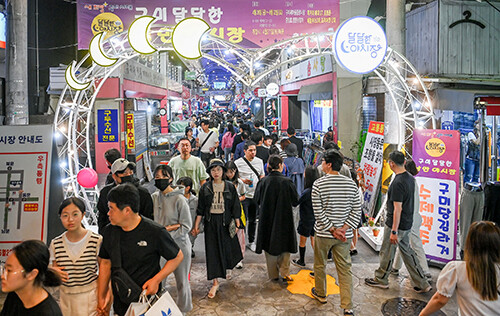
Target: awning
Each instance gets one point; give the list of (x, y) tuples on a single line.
[(317, 91), (461, 100)]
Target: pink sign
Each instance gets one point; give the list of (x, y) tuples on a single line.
[(437, 156), (248, 23)]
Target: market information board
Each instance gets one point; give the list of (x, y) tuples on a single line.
[(371, 163), (437, 156), (25, 157)]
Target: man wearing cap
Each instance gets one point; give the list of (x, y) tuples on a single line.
[(122, 171), (187, 165)]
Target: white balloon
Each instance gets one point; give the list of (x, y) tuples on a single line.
[(138, 35), (95, 50), (186, 37), (72, 81)]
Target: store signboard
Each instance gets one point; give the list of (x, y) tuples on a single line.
[(251, 24), (312, 67), (323, 104), (360, 45), (130, 130), (371, 163), (25, 159), (107, 126), (437, 156)]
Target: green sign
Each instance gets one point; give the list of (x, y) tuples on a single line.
[(190, 75)]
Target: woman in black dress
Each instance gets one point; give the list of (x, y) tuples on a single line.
[(219, 205)]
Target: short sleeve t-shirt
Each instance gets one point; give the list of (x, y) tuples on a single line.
[(247, 173), (218, 201), (453, 278), (209, 143), (192, 167), (140, 248), (402, 189), (13, 306)]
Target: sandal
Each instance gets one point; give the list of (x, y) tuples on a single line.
[(287, 278), (213, 291)]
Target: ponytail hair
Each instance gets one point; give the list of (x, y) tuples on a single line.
[(34, 254)]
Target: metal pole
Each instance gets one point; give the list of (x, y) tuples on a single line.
[(17, 108), (494, 153)]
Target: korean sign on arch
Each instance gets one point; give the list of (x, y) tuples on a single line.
[(248, 23), (437, 156)]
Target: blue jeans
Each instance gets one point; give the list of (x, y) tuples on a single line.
[(471, 170)]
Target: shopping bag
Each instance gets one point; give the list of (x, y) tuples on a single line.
[(140, 307), (164, 306)]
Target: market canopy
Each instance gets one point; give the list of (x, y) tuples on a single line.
[(317, 91)]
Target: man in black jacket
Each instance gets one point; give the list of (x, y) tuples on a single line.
[(122, 171), (294, 140)]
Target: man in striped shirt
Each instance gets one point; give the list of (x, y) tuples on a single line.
[(337, 209)]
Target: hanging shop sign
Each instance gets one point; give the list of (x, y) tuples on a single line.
[(130, 130), (371, 163), (25, 157), (107, 126), (437, 156), (323, 104), (251, 24), (360, 44), (312, 67), (272, 89)]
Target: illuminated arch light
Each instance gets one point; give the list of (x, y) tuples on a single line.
[(138, 35), (97, 54), (187, 36), (72, 81)]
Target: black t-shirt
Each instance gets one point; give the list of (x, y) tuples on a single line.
[(263, 153), (402, 189), (140, 249), (14, 306)]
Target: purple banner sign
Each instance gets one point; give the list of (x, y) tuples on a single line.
[(251, 24), (437, 156)]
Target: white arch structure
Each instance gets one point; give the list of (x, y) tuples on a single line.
[(72, 123)]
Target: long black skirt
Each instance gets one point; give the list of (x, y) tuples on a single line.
[(222, 251)]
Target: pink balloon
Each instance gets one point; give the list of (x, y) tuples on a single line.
[(87, 178)]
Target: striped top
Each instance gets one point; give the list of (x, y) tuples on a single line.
[(335, 201), (81, 268)]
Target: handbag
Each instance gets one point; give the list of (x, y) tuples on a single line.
[(232, 228), (125, 289), (165, 305)]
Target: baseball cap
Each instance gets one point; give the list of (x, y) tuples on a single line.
[(121, 164)]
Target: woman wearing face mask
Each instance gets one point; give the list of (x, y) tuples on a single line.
[(171, 209), (24, 275)]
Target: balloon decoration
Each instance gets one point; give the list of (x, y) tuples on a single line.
[(87, 178)]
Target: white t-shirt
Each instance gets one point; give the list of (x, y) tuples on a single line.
[(210, 142), (247, 173), (453, 278), (74, 248)]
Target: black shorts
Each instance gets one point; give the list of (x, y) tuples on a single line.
[(305, 229)]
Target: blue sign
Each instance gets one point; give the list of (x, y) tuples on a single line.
[(107, 126), (447, 125)]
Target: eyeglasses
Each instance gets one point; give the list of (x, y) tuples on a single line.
[(4, 272)]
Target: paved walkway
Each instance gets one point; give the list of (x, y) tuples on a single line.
[(249, 292)]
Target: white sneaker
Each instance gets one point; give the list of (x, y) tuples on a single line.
[(252, 246), (239, 265)]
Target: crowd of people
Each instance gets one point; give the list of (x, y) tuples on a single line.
[(240, 185)]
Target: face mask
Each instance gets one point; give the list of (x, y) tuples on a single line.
[(162, 184), (127, 179)]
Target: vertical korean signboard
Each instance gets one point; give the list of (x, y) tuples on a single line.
[(371, 163), (437, 156), (107, 126), (25, 157), (130, 131)]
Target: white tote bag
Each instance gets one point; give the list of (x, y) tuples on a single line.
[(140, 307), (164, 306)]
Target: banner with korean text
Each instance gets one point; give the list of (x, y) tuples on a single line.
[(25, 160), (371, 163), (437, 156), (248, 23)]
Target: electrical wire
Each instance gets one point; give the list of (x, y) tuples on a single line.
[(54, 48), (491, 4)]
